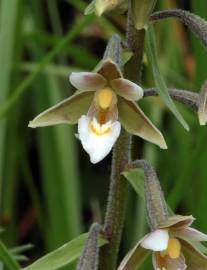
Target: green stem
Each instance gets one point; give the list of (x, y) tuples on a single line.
[(117, 199)]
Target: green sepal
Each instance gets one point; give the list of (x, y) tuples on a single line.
[(195, 259), (135, 257), (66, 112), (137, 123), (177, 221)]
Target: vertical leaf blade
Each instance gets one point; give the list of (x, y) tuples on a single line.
[(159, 81), (8, 21)]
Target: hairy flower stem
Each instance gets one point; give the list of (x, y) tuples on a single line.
[(156, 207), (117, 199), (186, 97)]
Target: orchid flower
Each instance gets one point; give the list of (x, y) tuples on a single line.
[(103, 101), (173, 246)]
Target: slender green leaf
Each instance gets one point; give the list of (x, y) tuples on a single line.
[(20, 258), (90, 8), (7, 259), (159, 81), (136, 179), (20, 249), (199, 54), (8, 22), (63, 255)]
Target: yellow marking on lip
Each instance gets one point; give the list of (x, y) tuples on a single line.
[(105, 97), (174, 248), (99, 132)]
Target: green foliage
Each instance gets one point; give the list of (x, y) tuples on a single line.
[(63, 255), (136, 179), (159, 81), (7, 259)]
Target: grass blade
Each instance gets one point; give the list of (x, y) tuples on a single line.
[(7, 259), (63, 255), (159, 81), (8, 22)]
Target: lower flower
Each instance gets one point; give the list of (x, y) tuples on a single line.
[(174, 246)]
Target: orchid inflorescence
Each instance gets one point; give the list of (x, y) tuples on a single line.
[(104, 103)]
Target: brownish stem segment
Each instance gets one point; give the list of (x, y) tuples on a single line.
[(135, 43), (116, 206), (117, 199), (186, 97)]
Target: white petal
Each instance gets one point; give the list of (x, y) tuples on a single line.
[(96, 146), (127, 89), (87, 81), (156, 241)]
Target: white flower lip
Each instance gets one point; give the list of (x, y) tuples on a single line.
[(156, 241), (96, 139)]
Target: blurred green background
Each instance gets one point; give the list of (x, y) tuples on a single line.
[(49, 191)]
